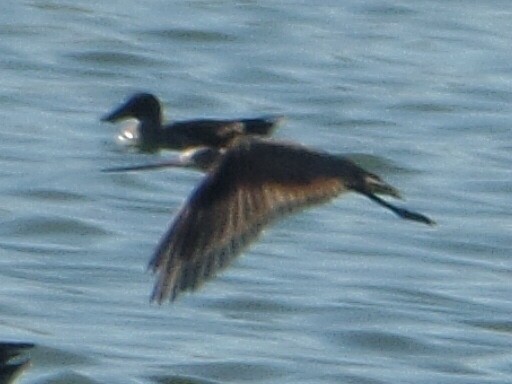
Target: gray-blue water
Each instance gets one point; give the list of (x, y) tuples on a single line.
[(343, 293)]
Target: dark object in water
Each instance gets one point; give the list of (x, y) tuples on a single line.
[(151, 134), (12, 362)]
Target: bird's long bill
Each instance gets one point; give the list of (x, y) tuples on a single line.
[(117, 114), (178, 163)]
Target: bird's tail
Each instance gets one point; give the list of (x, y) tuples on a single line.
[(373, 184), (263, 126)]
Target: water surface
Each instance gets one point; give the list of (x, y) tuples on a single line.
[(419, 92)]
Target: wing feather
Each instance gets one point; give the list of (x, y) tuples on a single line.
[(256, 182)]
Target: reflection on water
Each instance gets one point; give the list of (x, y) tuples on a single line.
[(419, 92)]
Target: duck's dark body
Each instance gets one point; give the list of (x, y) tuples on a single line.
[(154, 135), (185, 134)]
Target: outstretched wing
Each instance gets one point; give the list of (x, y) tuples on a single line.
[(255, 183)]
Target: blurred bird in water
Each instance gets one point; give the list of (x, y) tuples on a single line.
[(13, 360), (150, 134), (248, 185)]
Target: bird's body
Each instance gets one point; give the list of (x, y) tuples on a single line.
[(152, 134), (248, 185)]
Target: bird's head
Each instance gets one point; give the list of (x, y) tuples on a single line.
[(141, 106)]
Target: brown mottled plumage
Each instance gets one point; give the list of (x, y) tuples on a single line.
[(249, 185)]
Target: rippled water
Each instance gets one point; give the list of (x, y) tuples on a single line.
[(419, 92)]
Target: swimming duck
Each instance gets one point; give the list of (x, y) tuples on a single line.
[(151, 134)]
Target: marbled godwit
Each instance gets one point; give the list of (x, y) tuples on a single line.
[(248, 185)]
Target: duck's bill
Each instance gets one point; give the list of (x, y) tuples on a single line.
[(117, 114), (145, 167)]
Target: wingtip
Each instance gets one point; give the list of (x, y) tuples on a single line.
[(166, 287), (161, 295), (157, 295), (153, 299)]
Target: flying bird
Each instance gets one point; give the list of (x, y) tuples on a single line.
[(151, 134), (248, 185)]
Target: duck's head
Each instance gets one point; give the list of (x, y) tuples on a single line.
[(141, 106)]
